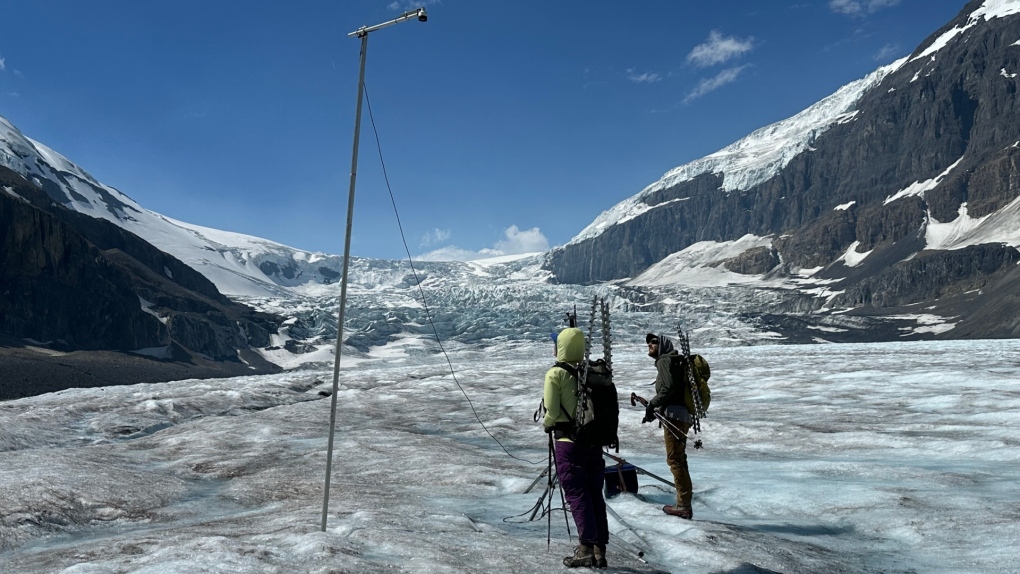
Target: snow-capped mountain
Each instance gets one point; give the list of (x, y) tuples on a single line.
[(766, 152), (887, 210), (390, 304), (901, 189), (483, 301), (752, 160), (86, 303), (237, 264)]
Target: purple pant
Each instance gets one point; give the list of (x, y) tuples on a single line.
[(581, 471)]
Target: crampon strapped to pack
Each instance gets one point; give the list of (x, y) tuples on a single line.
[(696, 373), (597, 418)]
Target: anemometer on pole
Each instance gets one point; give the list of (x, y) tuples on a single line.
[(363, 34)]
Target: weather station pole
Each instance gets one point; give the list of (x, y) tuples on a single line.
[(362, 33)]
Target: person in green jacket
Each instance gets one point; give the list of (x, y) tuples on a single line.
[(579, 466), (673, 401)]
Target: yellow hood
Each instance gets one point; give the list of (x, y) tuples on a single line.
[(570, 345)]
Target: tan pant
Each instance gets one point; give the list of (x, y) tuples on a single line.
[(676, 458)]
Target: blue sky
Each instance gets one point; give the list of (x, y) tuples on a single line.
[(505, 127)]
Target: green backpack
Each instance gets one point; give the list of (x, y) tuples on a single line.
[(702, 372)]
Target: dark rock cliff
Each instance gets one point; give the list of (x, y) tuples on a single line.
[(80, 283), (55, 286)]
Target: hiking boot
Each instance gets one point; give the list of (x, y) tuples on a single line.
[(600, 556), (684, 512), (584, 555)]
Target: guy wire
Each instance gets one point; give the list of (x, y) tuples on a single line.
[(428, 314)]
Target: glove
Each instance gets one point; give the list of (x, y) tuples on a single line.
[(547, 429), (649, 414)]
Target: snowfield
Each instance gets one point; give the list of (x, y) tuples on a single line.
[(824, 458)]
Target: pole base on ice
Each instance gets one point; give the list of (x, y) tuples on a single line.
[(639, 469)]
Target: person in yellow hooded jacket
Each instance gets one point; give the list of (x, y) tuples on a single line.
[(579, 467)]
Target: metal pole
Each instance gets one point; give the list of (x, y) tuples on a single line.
[(343, 284)]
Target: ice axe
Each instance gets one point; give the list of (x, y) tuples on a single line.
[(673, 429)]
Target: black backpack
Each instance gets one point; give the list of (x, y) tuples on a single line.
[(598, 412)]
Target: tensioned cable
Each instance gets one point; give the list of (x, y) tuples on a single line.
[(428, 314)]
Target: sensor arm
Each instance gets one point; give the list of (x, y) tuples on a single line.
[(418, 13)]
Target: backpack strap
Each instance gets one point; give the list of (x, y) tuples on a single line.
[(568, 368), (573, 373), (678, 370)]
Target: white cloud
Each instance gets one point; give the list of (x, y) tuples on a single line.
[(860, 7), (711, 84), (719, 49), (646, 78), (515, 242), (434, 237), (408, 5), (3, 65), (887, 53)]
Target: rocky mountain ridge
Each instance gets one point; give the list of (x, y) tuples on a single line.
[(908, 193), (237, 264), (71, 283)]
